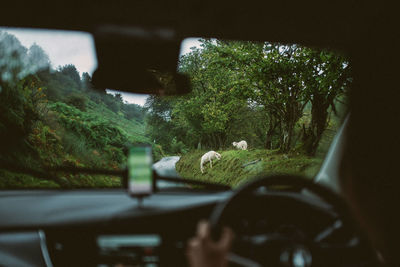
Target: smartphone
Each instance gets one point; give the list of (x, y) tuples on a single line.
[(140, 171)]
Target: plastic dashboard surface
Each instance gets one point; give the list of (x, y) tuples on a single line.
[(41, 209)]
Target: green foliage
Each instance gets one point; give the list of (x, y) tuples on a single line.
[(77, 100), (72, 73), (97, 131), (178, 147), (133, 112), (158, 152), (19, 108), (57, 85), (37, 57), (16, 180), (86, 81), (256, 92)]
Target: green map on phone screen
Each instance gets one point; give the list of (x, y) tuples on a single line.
[(140, 169)]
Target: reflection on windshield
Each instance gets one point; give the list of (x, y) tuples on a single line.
[(256, 108)]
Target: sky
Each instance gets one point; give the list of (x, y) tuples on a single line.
[(65, 47)]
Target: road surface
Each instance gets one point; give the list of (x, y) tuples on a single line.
[(166, 167)]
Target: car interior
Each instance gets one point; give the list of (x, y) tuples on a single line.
[(307, 223)]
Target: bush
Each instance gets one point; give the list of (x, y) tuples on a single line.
[(158, 152), (74, 145), (77, 100), (86, 131), (111, 103), (178, 147)]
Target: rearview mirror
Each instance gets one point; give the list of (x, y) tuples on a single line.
[(138, 60)]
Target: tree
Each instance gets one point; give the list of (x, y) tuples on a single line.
[(282, 76), (38, 59), (86, 81), (70, 71), (220, 95), (133, 111), (20, 96), (253, 91), (159, 127), (13, 59), (327, 75)]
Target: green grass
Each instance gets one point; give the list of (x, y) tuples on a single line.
[(229, 170), (12, 180), (17, 180)]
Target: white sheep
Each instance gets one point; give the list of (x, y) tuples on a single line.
[(209, 156), (240, 145)]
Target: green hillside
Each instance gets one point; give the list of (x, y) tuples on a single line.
[(232, 169), (56, 118), (68, 136)]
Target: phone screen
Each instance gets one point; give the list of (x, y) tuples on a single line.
[(140, 172)]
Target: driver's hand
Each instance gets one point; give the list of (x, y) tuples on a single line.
[(202, 251)]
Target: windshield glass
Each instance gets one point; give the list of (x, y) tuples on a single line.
[(255, 108)]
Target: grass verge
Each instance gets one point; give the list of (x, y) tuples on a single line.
[(232, 169)]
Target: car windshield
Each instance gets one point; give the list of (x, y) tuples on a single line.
[(255, 108)]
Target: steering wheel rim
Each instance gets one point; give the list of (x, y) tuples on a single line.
[(331, 198), (322, 192)]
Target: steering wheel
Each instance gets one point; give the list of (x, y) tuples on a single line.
[(284, 248)]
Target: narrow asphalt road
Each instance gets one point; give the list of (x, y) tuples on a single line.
[(166, 167)]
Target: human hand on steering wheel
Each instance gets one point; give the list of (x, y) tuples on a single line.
[(203, 251)]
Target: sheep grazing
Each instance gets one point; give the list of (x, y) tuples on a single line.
[(240, 145), (209, 156)]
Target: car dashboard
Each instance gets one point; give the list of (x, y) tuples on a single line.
[(107, 227)]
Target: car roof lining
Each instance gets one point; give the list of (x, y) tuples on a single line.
[(337, 25)]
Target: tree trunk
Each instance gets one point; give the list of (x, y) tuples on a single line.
[(287, 139), (319, 118), (292, 114), (268, 141), (269, 135), (287, 132)]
